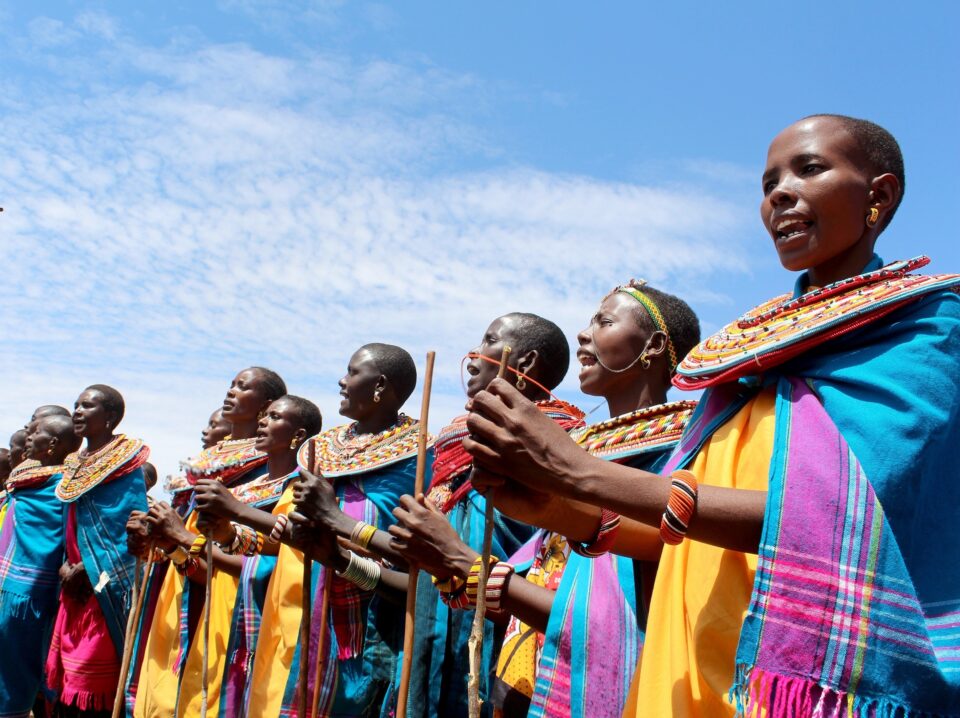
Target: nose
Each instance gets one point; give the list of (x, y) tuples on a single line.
[(784, 192), (342, 383), (585, 336), (262, 422), (231, 392)]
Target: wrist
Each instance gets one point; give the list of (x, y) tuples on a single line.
[(342, 525), (464, 561), (340, 560)]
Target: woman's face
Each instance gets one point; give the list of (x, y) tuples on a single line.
[(278, 428), (500, 332), (816, 194), (90, 415), (358, 385), (244, 398), (615, 338), (216, 430)]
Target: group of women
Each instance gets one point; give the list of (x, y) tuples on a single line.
[(785, 546)]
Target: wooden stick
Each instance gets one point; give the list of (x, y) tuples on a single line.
[(136, 605), (205, 675), (306, 623), (413, 569), (322, 639), (476, 631)]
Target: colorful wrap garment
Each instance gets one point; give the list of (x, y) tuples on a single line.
[(851, 612), (582, 666), (262, 493), (100, 490), (440, 670), (177, 604), (365, 632), (31, 551)]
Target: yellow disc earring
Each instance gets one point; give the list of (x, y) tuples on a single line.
[(294, 444), (873, 216)]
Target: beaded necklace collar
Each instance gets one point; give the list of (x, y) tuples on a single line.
[(651, 429), (30, 473), (784, 327), (341, 451), (82, 472), (263, 489), (224, 461)]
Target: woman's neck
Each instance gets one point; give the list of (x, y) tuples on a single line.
[(95, 443), (640, 396), (281, 463), (244, 429), (379, 422)]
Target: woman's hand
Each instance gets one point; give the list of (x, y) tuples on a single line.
[(74, 581), (316, 500), (167, 527), (320, 544), (509, 436), (530, 506), (425, 537), (215, 527), (214, 498), (138, 534)]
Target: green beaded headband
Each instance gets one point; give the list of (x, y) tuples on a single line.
[(655, 316)]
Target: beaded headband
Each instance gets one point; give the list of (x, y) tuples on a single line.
[(655, 316)]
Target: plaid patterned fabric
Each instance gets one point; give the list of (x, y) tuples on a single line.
[(836, 625)]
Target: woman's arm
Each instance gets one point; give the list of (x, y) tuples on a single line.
[(510, 439)]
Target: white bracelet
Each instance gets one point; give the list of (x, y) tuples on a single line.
[(363, 572)]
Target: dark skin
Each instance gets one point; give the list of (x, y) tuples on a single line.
[(818, 192), (618, 335), (245, 400), (93, 422), (317, 500), (216, 430), (52, 440), (18, 444), (5, 467), (279, 435)]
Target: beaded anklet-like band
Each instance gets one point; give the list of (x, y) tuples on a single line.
[(681, 506), (278, 528), (606, 535), (464, 593)]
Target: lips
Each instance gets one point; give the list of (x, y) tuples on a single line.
[(786, 227)]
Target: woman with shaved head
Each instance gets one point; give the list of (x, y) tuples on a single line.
[(99, 487), (31, 549)]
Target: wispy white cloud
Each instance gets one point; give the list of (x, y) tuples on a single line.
[(183, 211)]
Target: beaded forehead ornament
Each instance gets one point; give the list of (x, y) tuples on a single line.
[(82, 473), (650, 429), (341, 451), (783, 327), (653, 311)]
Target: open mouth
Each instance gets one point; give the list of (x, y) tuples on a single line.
[(586, 359), (790, 227)]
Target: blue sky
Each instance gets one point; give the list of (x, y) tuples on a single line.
[(192, 188)]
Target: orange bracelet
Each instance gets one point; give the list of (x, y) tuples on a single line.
[(681, 506)]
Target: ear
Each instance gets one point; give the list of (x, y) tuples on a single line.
[(528, 363), (885, 191), (300, 435), (656, 344)]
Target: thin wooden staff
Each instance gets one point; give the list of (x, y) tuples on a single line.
[(321, 640), (136, 606), (208, 593), (306, 623), (476, 631), (410, 621)]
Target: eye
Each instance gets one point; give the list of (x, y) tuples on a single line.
[(811, 168), (768, 186)]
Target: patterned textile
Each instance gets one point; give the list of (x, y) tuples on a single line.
[(872, 629), (226, 461), (451, 481), (30, 473), (359, 676), (595, 612), (83, 472), (341, 451), (31, 550), (786, 326)]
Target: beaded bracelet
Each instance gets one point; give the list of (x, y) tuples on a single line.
[(453, 584), (363, 572), (457, 599), (495, 583), (278, 528), (473, 579), (603, 541), (246, 541), (362, 534), (197, 546), (178, 555), (681, 507)]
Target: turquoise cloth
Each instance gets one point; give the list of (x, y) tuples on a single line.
[(440, 670), (31, 552)]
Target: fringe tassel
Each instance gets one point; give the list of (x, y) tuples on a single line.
[(758, 693), (88, 700)]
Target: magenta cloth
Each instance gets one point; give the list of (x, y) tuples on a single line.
[(82, 666)]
